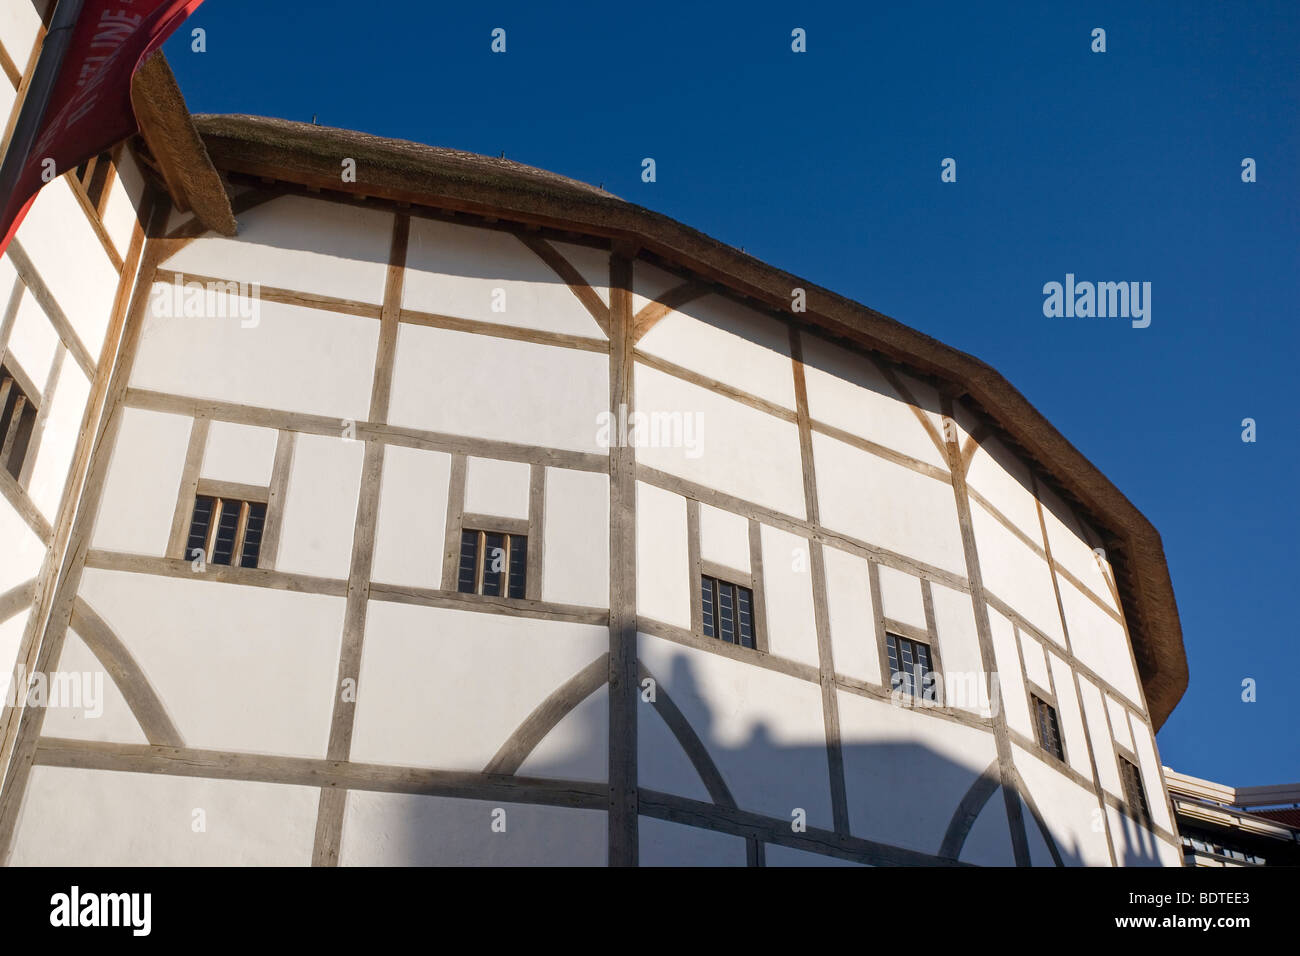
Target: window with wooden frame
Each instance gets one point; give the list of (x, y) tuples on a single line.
[(911, 668), (1046, 727), (727, 611), (17, 419), (1135, 798), (226, 530), (493, 563)]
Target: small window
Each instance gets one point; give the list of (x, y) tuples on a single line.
[(17, 418), (1134, 795), (911, 669), (728, 612), (493, 563), (226, 530), (1047, 728)]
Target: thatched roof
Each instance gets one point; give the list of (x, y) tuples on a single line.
[(403, 172)]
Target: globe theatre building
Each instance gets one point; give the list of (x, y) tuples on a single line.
[(373, 503)]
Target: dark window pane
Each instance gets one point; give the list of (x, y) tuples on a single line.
[(199, 527), (518, 565), (224, 545), (745, 606), (253, 535), (706, 594), (1049, 732), (467, 575), (494, 562), (1134, 795), (726, 612)]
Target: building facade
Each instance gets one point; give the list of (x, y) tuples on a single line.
[(454, 512), (1224, 826)]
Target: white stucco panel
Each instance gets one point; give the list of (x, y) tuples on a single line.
[(662, 843), (900, 594), (59, 442), (788, 596), (238, 668), (724, 538), (138, 503), (498, 488), (446, 688), (575, 565), (101, 713), (320, 507), (887, 505), (1067, 702), (1016, 574), (965, 682), (490, 387), (242, 453), (411, 526), (1098, 640), (852, 618), (663, 577)]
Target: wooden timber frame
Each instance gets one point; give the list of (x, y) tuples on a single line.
[(55, 589)]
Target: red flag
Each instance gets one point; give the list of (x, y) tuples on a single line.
[(89, 105)]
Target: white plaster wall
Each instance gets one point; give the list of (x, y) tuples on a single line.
[(496, 388), (1072, 550), (24, 551), (67, 253), (11, 639), (229, 671), (456, 270), (905, 772), (663, 582), (1071, 718), (1035, 660), (320, 507), (965, 682), (1011, 684), (728, 342), (724, 538), (1152, 780), (294, 359), (1099, 641), (887, 505), (104, 715), (403, 829), (900, 594), (1072, 814), (1119, 722), (59, 440), (649, 283), (33, 342), (741, 451), (851, 616), (775, 855), (498, 488), (788, 597), (661, 763), (576, 748), (1015, 574), (1103, 748), (76, 817), (307, 245), (847, 391), (411, 526), (125, 194), (989, 841), (1135, 845), (1005, 481), (575, 562), (662, 843), (446, 689), (19, 24), (137, 505), (592, 264), (764, 730), (242, 453)]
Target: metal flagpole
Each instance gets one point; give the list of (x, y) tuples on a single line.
[(38, 95)]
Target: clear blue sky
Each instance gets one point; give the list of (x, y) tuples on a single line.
[(1117, 166)]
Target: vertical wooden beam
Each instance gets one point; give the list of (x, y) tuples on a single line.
[(988, 660), (694, 567), (817, 566), (536, 530), (329, 814), (189, 486), (280, 469), (455, 518), (42, 415), (623, 823)]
